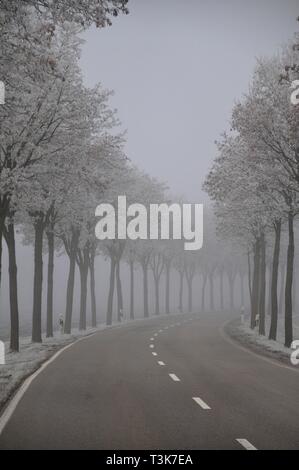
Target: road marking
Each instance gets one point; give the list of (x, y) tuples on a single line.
[(152, 346), (246, 444), (174, 377), (152, 339), (161, 363), (154, 354), (201, 403), (13, 402)]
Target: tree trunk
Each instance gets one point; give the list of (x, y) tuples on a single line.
[(4, 205), (262, 298), (269, 292), (275, 265), (190, 299), (37, 282), (157, 302), (249, 279), (294, 291), (111, 291), (1, 237), (231, 283), (221, 290), (50, 237), (181, 291), (132, 290), (289, 283), (211, 279), (92, 291), (167, 289), (242, 289), (83, 295), (203, 289), (70, 284), (282, 287), (13, 287), (70, 295), (255, 284), (120, 305), (145, 290)]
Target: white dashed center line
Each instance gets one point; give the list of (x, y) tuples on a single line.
[(243, 442), (174, 377), (201, 403), (246, 444)]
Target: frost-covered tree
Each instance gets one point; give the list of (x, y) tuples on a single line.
[(269, 121)]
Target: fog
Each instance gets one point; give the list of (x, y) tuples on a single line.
[(176, 68)]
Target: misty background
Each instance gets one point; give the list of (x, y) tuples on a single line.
[(176, 68)]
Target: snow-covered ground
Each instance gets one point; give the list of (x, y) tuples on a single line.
[(22, 364), (246, 335)]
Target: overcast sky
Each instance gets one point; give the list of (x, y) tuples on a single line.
[(176, 67)]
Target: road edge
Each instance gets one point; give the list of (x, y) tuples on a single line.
[(13, 400), (228, 332)]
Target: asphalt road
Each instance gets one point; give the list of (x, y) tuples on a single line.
[(168, 383)]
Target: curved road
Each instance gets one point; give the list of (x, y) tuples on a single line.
[(164, 383)]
